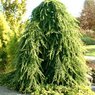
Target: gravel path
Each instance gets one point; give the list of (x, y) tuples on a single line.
[(5, 91), (93, 88)]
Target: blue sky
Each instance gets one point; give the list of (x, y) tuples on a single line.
[(73, 6)]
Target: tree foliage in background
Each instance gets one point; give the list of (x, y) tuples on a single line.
[(50, 51), (87, 19), (14, 11), (4, 39)]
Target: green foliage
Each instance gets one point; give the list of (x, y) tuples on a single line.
[(88, 40), (62, 90), (90, 50), (4, 39), (14, 11), (49, 51), (50, 89), (61, 47), (11, 52)]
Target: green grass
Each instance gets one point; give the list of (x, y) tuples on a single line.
[(90, 47), (90, 50)]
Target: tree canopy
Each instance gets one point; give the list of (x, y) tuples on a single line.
[(87, 19), (14, 11)]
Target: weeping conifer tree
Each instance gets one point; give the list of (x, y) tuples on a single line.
[(50, 50)]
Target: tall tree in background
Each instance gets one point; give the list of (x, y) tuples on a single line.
[(87, 19), (14, 11), (4, 39), (50, 51)]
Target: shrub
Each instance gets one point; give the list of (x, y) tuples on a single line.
[(50, 52), (88, 40)]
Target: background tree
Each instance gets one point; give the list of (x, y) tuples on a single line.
[(4, 39), (14, 11), (87, 19)]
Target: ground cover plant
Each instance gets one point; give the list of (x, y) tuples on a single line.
[(50, 54)]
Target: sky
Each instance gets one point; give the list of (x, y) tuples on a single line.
[(74, 7)]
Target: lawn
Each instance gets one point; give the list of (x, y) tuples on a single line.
[(90, 50)]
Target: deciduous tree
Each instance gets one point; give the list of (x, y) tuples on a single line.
[(87, 19), (14, 11)]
